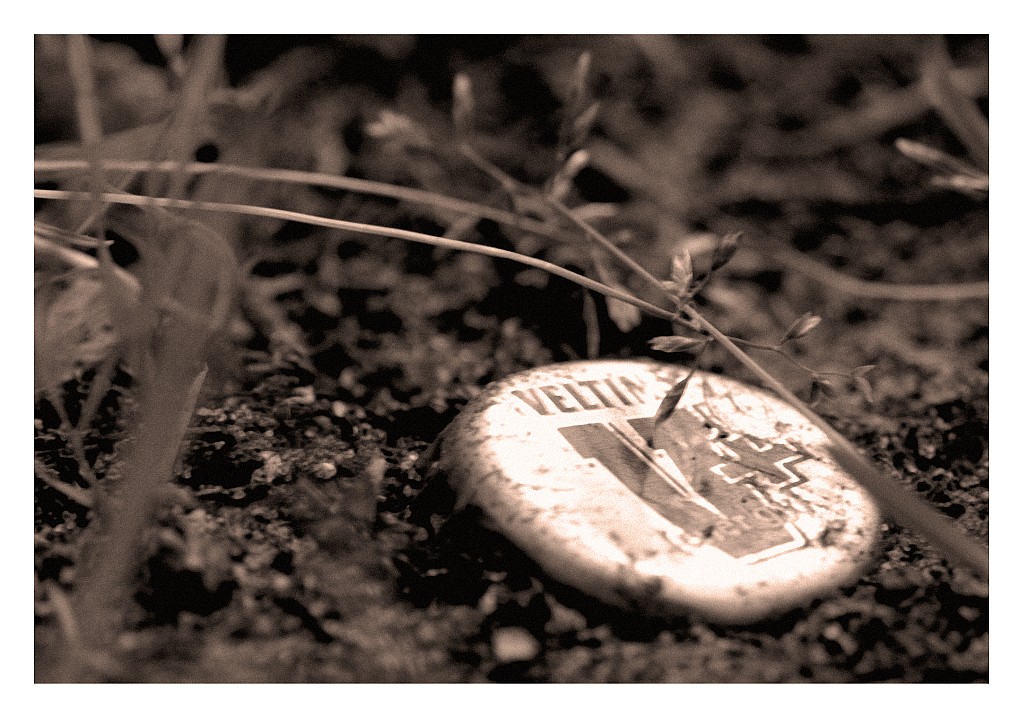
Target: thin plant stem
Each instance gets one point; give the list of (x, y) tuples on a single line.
[(103, 591), (358, 227), (91, 127), (844, 283), (590, 321), (777, 350), (319, 179)]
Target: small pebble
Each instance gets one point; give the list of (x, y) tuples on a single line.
[(325, 470), (513, 644)]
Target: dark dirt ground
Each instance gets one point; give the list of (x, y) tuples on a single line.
[(305, 542)]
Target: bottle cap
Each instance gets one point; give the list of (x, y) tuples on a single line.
[(732, 510)]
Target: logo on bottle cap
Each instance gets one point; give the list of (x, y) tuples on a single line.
[(731, 509)]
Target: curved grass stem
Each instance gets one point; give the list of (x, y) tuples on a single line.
[(360, 228), (852, 286), (317, 179)]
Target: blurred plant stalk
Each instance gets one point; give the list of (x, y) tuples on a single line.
[(186, 275), (187, 289)]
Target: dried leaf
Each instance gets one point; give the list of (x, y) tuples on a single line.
[(801, 327), (676, 344)]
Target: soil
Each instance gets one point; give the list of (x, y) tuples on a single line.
[(308, 539)]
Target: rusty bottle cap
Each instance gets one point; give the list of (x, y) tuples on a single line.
[(734, 511)]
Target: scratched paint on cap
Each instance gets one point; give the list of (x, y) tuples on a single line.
[(733, 510)]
